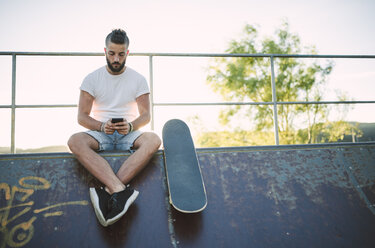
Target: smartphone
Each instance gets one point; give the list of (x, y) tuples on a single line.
[(115, 120)]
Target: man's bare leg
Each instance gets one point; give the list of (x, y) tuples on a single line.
[(83, 146), (146, 145)]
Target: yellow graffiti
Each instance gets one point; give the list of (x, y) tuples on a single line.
[(20, 234), (24, 237), (45, 184), (6, 188), (57, 213), (61, 204), (16, 206)]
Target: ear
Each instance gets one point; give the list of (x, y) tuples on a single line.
[(105, 50), (127, 52)]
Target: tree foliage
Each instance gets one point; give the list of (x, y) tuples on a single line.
[(249, 79)]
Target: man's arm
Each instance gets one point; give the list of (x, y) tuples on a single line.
[(143, 103), (144, 118), (84, 109)]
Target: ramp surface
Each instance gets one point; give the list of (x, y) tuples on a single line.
[(278, 196)]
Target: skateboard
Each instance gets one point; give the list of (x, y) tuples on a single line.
[(187, 192)]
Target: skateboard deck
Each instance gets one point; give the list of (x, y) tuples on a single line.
[(187, 192)]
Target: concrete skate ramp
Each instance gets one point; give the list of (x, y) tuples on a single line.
[(277, 196)]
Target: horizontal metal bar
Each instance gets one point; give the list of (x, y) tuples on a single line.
[(327, 102), (253, 55), (51, 54), (211, 103), (259, 103), (201, 104), (191, 55), (41, 106), (48, 106)]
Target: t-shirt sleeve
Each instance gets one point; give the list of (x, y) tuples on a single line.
[(142, 87), (87, 85)]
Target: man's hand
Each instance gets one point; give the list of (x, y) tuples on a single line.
[(121, 127)]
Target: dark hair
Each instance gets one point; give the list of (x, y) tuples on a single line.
[(117, 36)]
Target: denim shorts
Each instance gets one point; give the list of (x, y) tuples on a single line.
[(115, 141)]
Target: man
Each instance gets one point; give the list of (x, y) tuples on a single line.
[(114, 91)]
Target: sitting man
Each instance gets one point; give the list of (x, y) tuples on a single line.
[(118, 98)]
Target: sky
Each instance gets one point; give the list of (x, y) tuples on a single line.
[(204, 26)]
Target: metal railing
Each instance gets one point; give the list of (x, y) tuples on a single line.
[(274, 102)]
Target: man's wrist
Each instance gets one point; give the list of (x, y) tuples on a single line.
[(102, 127), (130, 127)]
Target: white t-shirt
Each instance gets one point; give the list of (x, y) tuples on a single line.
[(115, 95)]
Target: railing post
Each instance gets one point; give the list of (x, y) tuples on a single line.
[(274, 100), (151, 92), (13, 110)]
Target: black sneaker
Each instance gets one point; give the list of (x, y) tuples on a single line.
[(119, 203), (99, 198)]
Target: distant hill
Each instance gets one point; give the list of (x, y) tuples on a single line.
[(368, 130), (47, 149)]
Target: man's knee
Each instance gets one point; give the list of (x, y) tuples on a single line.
[(73, 142), (156, 141), (150, 141), (78, 141)]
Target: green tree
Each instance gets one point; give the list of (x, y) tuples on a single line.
[(249, 79)]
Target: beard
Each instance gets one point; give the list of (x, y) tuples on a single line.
[(113, 69)]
